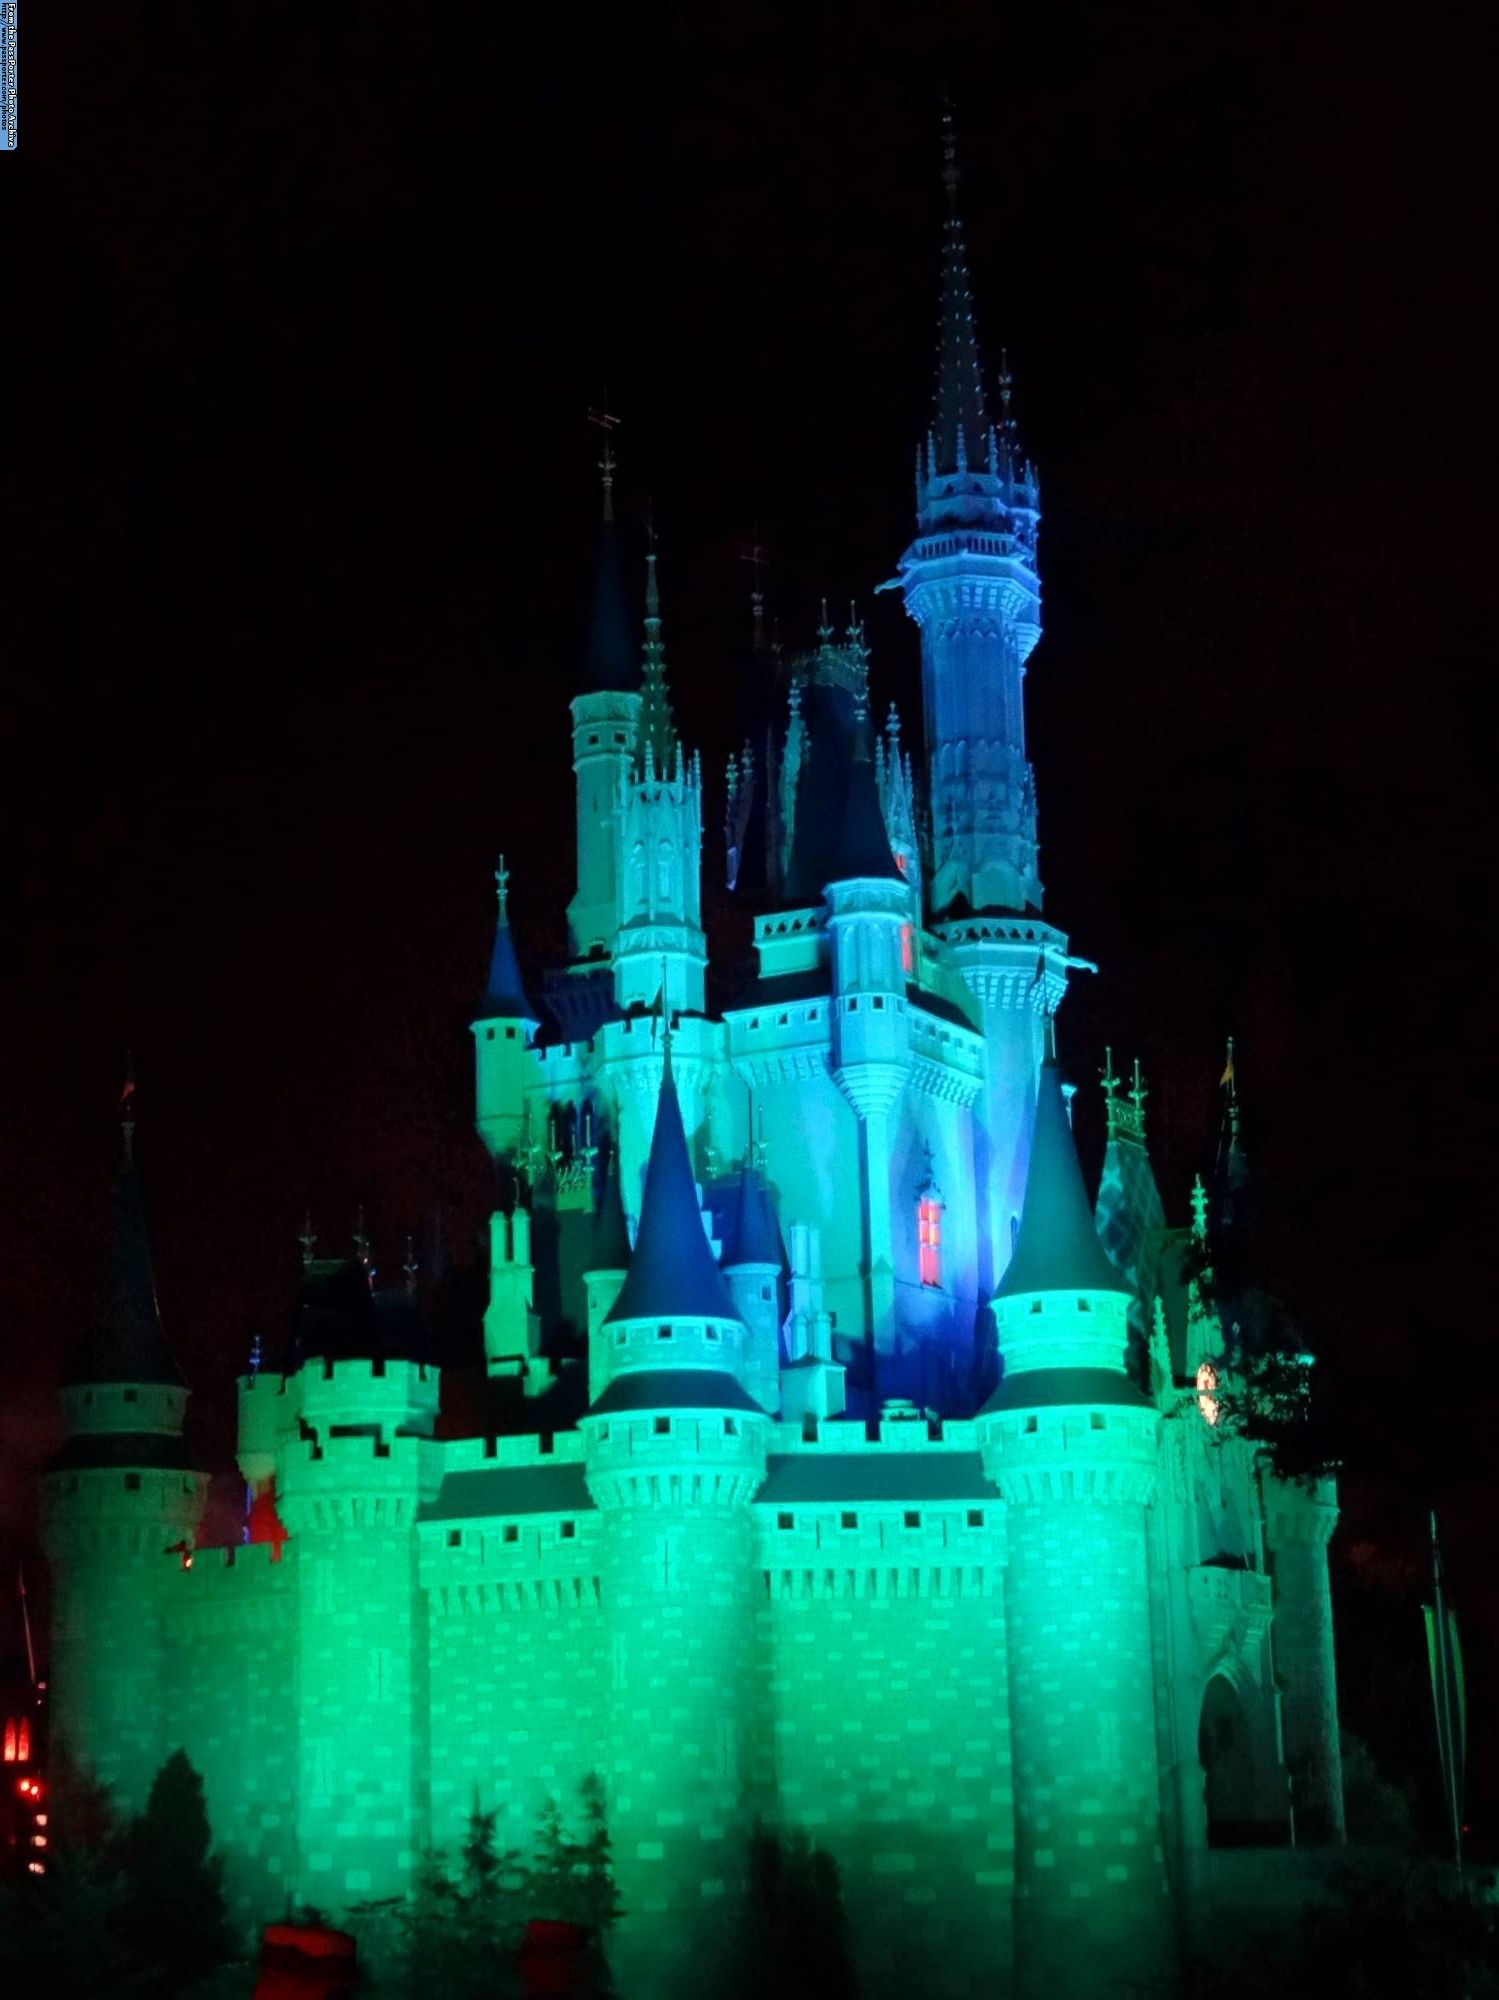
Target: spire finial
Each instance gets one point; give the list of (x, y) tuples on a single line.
[(409, 1264), (502, 887), (1110, 1081), (608, 425), (1138, 1093), (126, 1109), (961, 420), (308, 1240), (1199, 1211), (361, 1239), (1230, 1082), (658, 736), (753, 553), (256, 1355)]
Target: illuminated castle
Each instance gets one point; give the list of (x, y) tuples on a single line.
[(868, 1485)]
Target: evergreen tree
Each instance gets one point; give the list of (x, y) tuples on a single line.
[(175, 1914), (64, 1935), (597, 1897)]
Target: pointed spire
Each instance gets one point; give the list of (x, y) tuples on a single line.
[(753, 1237), (504, 990), (611, 1233), (672, 1272), (610, 660), (1057, 1249), (409, 1265), (127, 1343), (961, 419), (308, 1241), (658, 749)]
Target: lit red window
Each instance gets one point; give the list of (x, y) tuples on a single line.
[(23, 1741), (10, 1742), (929, 1240), (907, 949)]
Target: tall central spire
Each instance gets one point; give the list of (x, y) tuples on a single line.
[(658, 734), (960, 428)]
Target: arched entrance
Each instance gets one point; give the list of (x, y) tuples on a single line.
[(1227, 1754)]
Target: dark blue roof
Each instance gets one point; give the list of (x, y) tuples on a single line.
[(672, 1272), (674, 1389), (504, 990), (612, 657), (812, 1477), (862, 852), (127, 1343), (753, 1235), (610, 1250), (1051, 1388), (1058, 1248), (492, 1490)]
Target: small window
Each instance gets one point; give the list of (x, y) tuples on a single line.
[(663, 1427), (767, 1291), (1095, 1420), (1035, 1305), (785, 1520), (811, 1013), (711, 1332), (782, 1020), (755, 1022), (848, 1520), (731, 1427), (975, 1517), (619, 736), (1032, 1424), (879, 1001), (489, 1034), (619, 1336), (568, 1530), (1083, 1306), (913, 1520), (603, 1433), (455, 1538), (663, 1333), (593, 742), (132, 1482), (853, 1005), (132, 1395), (510, 1034), (510, 1532)]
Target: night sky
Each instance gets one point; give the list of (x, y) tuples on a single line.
[(312, 303)]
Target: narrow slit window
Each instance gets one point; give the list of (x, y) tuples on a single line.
[(929, 1240)]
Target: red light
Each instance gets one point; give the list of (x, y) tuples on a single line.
[(39, 1840), (37, 1867)]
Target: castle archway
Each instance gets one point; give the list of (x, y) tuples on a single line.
[(1226, 1749)]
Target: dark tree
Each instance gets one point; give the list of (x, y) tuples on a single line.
[(175, 1913)]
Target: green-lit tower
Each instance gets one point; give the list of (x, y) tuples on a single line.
[(1072, 1445), (675, 1451), (351, 1478), (121, 1503)]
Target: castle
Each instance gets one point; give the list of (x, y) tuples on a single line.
[(861, 1482)]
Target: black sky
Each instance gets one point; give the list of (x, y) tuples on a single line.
[(311, 304)]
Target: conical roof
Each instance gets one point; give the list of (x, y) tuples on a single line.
[(753, 1235), (1058, 1248), (610, 1250), (611, 660), (672, 1272), (863, 847), (504, 990), (127, 1343)]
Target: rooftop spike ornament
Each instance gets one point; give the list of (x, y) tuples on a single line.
[(659, 749), (961, 418), (608, 424), (307, 1237)]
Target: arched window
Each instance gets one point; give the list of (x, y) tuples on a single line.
[(10, 1740), (663, 871), (637, 875), (23, 1740)]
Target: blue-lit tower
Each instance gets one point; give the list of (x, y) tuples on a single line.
[(971, 584)]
